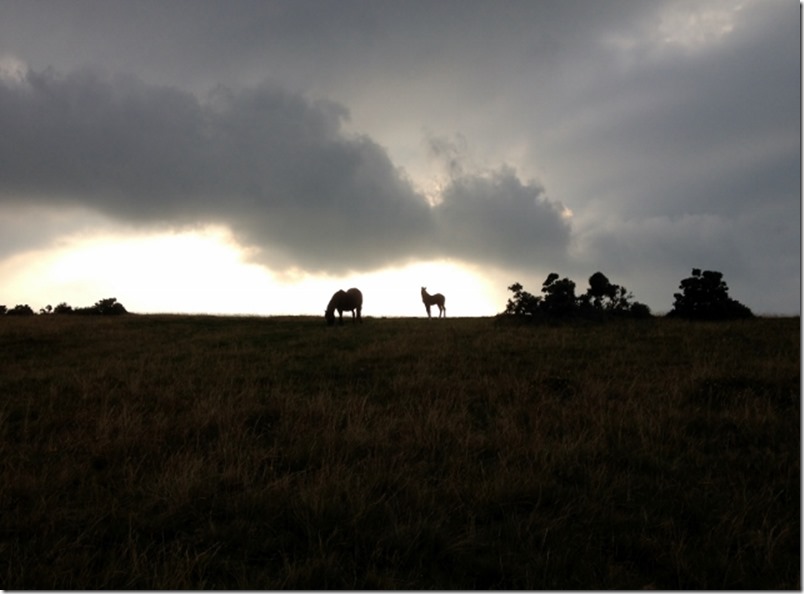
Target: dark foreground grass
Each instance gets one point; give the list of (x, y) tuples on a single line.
[(175, 452)]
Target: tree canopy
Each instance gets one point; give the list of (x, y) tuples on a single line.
[(705, 296), (108, 306), (601, 300)]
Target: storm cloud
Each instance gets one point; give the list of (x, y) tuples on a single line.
[(275, 167), (639, 139)]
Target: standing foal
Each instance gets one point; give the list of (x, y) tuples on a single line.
[(437, 299)]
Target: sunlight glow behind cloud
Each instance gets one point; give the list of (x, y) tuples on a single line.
[(459, 145), (204, 271), (694, 27), (12, 69)]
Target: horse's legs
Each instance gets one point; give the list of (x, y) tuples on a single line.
[(427, 307), (359, 314), (442, 311)]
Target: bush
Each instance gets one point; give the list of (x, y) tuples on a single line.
[(110, 307), (705, 296), (522, 303), (63, 308), (602, 300), (104, 307), (559, 296)]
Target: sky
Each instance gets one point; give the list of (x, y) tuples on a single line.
[(253, 157)]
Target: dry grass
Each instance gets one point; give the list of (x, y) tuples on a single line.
[(172, 452)]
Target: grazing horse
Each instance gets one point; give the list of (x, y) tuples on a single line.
[(437, 299), (351, 300)]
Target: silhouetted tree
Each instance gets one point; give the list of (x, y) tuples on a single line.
[(705, 296), (639, 310), (63, 308), (104, 307), (3, 310), (602, 300), (600, 289), (603, 296), (110, 306), (20, 310), (522, 303), (559, 296)]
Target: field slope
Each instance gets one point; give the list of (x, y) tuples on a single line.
[(173, 452)]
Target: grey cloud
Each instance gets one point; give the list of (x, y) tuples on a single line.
[(17, 235), (648, 143), (496, 218), (193, 40), (452, 154), (276, 168), (80, 139), (704, 132), (652, 254), (686, 158), (493, 216)]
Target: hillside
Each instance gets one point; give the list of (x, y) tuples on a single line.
[(171, 452)]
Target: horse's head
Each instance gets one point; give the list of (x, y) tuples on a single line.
[(329, 316)]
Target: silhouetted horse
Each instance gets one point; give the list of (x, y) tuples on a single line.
[(437, 299), (351, 300)]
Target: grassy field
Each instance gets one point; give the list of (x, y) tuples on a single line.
[(172, 452)]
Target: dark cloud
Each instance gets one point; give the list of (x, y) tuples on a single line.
[(666, 129), (274, 166), (651, 255), (305, 42), (671, 129), (119, 146), (493, 216), (18, 235), (497, 219)]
